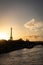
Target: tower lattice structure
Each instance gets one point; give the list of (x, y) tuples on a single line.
[(11, 37)]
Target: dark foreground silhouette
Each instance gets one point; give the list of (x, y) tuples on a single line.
[(12, 45)]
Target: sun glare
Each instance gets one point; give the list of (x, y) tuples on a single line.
[(3, 36)]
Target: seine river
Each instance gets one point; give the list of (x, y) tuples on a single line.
[(24, 56)]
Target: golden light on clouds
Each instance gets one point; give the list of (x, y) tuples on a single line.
[(33, 24), (35, 28)]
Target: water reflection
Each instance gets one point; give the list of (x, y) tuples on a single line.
[(25, 56)]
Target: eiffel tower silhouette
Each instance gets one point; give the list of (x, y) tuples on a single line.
[(11, 37)]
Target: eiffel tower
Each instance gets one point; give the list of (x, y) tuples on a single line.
[(11, 38)]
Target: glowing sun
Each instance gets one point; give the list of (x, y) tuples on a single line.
[(3, 36)]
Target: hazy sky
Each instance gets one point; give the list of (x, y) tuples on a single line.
[(24, 16)]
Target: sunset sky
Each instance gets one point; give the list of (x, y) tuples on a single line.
[(24, 16)]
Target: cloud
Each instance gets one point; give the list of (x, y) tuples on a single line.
[(35, 29), (34, 25)]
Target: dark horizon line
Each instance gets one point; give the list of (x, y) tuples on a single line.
[(21, 40)]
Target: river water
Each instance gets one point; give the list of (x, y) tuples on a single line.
[(24, 56)]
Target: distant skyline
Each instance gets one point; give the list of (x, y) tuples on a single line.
[(24, 16)]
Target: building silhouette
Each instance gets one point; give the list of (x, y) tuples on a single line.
[(11, 37)]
